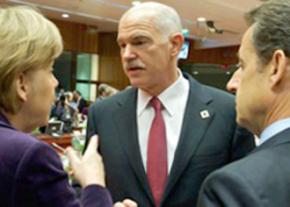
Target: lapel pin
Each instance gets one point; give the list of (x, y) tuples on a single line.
[(204, 114)]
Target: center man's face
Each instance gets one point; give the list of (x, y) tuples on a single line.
[(145, 52)]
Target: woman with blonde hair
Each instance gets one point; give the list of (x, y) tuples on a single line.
[(31, 172)]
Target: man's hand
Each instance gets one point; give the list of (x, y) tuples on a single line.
[(126, 203), (88, 169)]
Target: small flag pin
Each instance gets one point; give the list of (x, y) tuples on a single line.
[(204, 114)]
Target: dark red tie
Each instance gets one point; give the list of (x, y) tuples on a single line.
[(157, 153)]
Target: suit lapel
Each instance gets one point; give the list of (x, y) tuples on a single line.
[(197, 118), (125, 120)]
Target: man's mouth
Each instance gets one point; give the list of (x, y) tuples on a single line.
[(135, 68)]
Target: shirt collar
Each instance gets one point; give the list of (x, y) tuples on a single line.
[(169, 97), (274, 129)]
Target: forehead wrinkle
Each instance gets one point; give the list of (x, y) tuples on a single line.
[(247, 45), (133, 30), (139, 18)]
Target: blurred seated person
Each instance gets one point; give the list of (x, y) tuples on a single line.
[(105, 91), (70, 100), (59, 91), (64, 112), (81, 103)]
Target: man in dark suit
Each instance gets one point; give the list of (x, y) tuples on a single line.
[(195, 123), (79, 100), (262, 83)]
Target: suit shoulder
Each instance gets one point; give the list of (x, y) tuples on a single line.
[(208, 93), (253, 176), (220, 100), (17, 146), (219, 94), (256, 168), (16, 139), (116, 98)]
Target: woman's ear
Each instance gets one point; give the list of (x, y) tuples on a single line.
[(22, 87), (279, 64), (176, 41)]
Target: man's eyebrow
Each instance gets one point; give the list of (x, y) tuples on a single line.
[(139, 36), (134, 37)]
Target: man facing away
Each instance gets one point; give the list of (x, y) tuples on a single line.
[(162, 137), (262, 85)]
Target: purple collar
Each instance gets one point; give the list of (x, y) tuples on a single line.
[(4, 121)]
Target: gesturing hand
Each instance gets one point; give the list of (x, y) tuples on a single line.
[(89, 168)]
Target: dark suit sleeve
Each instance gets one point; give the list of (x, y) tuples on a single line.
[(82, 105), (91, 125), (45, 183), (227, 189), (243, 143)]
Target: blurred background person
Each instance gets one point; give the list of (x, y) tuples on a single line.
[(64, 112), (59, 91), (105, 90), (81, 103)]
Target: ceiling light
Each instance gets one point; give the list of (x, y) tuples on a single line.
[(135, 3), (201, 19), (75, 13), (65, 15)]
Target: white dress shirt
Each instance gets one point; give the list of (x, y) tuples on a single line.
[(174, 100)]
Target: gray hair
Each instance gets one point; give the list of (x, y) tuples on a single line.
[(271, 28), (165, 18)]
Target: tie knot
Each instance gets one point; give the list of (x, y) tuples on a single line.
[(156, 104)]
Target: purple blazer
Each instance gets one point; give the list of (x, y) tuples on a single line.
[(31, 174)]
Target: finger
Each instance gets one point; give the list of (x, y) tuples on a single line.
[(118, 204), (93, 145), (72, 156), (130, 203)]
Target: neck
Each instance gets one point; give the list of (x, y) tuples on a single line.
[(18, 121), (166, 82), (279, 109)]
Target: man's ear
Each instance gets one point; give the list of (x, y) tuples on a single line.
[(22, 87), (279, 64), (176, 40)]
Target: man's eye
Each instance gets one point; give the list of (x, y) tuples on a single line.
[(122, 45), (139, 42)]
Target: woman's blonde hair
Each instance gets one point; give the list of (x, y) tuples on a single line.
[(27, 41)]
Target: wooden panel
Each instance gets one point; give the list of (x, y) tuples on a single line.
[(76, 37), (110, 67), (63, 140)]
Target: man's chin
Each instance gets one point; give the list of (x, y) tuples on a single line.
[(242, 122), (135, 83)]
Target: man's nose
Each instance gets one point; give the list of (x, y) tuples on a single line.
[(128, 52), (233, 83)]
